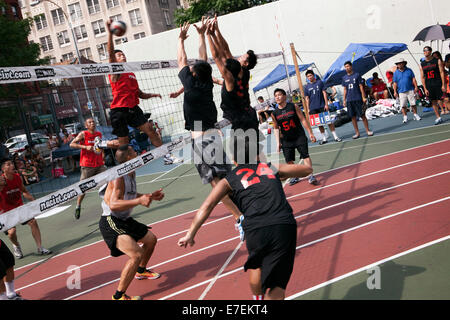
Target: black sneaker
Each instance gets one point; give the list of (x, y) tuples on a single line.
[(77, 213), (321, 142)]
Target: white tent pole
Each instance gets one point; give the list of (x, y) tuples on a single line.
[(418, 64), (287, 72)]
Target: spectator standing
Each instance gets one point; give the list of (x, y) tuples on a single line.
[(355, 98), (317, 102), (405, 88), (432, 76)]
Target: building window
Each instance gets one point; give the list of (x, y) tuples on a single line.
[(46, 43), (67, 56), (121, 40), (93, 6), (102, 51), (75, 11), (164, 3), (112, 3), (117, 17), (80, 32), (87, 53), (139, 35), (98, 27), (167, 17), (130, 1), (41, 21), (135, 17), (58, 16), (63, 38)]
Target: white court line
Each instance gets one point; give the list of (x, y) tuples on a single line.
[(312, 242), (318, 240), (188, 212), (323, 284), (217, 220)]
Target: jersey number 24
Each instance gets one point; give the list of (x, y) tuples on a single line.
[(262, 170)]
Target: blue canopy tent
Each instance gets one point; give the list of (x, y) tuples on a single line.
[(278, 74), (364, 57)]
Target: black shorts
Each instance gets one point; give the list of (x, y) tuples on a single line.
[(435, 93), (6, 259), (112, 227), (317, 111), (355, 108), (121, 118), (272, 249), (289, 147), (210, 158)]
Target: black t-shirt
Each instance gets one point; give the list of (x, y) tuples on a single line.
[(288, 122), (258, 193), (236, 105), (198, 102), (431, 72)]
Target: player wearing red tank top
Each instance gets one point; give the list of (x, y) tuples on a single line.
[(91, 162), (11, 191), (125, 110)]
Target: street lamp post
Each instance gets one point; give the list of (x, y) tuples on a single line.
[(36, 2)]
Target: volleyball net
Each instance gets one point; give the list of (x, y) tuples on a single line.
[(63, 96)]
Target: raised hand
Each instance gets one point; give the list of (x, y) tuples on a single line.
[(183, 31), (203, 27)]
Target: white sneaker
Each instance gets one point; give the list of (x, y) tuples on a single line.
[(438, 120), (42, 251), (170, 159), (238, 226), (18, 252), (416, 117), (405, 119)]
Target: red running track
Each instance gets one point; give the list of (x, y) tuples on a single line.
[(346, 198)]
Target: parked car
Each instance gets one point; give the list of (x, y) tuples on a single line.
[(40, 144), (23, 137)]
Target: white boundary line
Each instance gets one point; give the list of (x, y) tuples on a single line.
[(319, 240), (296, 295)]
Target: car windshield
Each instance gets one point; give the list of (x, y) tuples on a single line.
[(19, 145)]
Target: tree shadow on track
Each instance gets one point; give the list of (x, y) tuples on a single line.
[(181, 276)]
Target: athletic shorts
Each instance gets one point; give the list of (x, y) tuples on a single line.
[(121, 118), (210, 158), (6, 259), (272, 249), (435, 93), (316, 111), (355, 108), (112, 227), (406, 97), (87, 172), (289, 147)]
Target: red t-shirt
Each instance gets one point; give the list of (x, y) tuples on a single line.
[(11, 195), (125, 91), (90, 158), (380, 87)]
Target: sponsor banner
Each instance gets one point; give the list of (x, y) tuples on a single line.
[(38, 73), (34, 208), (320, 119)]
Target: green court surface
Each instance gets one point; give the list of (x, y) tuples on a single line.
[(419, 275)]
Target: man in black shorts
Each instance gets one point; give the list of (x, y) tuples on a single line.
[(317, 101), (7, 261), (269, 223), (355, 98), (290, 134), (121, 232), (433, 80), (200, 115)]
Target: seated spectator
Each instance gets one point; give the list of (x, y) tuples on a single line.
[(30, 174), (67, 138), (379, 88)]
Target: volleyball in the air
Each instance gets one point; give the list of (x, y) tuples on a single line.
[(118, 28)]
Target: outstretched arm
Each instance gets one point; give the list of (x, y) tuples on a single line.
[(216, 195), (221, 41), (110, 49), (201, 33), (144, 95), (218, 58), (181, 54)]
